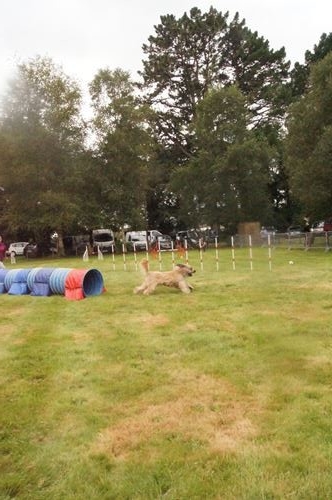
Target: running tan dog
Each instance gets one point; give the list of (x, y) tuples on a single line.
[(174, 278)]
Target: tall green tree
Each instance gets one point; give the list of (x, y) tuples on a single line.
[(309, 143), (226, 181), (41, 143), (189, 55), (123, 149)]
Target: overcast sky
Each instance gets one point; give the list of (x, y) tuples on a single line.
[(83, 36)]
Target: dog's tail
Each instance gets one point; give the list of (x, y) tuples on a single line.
[(144, 266)]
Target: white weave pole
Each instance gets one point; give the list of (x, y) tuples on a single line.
[(217, 253), (135, 256), (201, 259), (113, 257), (250, 253), (233, 253), (269, 251), (173, 260), (159, 255), (100, 254), (124, 257), (86, 254), (186, 251)]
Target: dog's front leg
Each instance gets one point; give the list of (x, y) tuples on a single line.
[(140, 289), (184, 287)]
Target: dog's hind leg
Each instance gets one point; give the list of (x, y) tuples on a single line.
[(149, 289)]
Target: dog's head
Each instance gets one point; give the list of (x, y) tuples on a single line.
[(185, 270)]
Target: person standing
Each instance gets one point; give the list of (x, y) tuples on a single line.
[(308, 236), (3, 249)]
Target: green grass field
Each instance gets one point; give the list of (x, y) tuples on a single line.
[(221, 394)]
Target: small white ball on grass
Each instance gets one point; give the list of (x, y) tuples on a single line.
[(291, 262)]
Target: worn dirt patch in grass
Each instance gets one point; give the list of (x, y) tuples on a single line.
[(198, 407), (151, 320), (315, 361), (6, 332)]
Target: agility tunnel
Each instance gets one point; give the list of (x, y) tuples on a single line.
[(16, 282), (3, 273), (74, 284), (81, 283), (57, 280), (39, 281)]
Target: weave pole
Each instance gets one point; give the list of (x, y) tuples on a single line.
[(135, 256), (233, 252), (201, 259), (186, 251), (100, 253), (269, 251), (217, 253), (173, 260), (250, 253), (113, 257), (159, 255), (85, 255), (124, 257)]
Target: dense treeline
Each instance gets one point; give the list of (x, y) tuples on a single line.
[(218, 130)]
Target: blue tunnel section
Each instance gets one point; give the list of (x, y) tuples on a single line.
[(74, 284)]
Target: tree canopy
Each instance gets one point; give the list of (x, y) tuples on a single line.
[(227, 178), (190, 55), (309, 143), (123, 149), (41, 142)]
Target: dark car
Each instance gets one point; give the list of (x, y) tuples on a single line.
[(77, 244), (191, 237), (33, 250), (164, 242)]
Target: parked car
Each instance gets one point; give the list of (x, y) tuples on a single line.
[(76, 244), (294, 231), (317, 227), (163, 242), (191, 236), (267, 231), (16, 248), (33, 250), (321, 226), (104, 239), (136, 240)]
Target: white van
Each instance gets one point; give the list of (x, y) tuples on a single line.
[(104, 239)]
